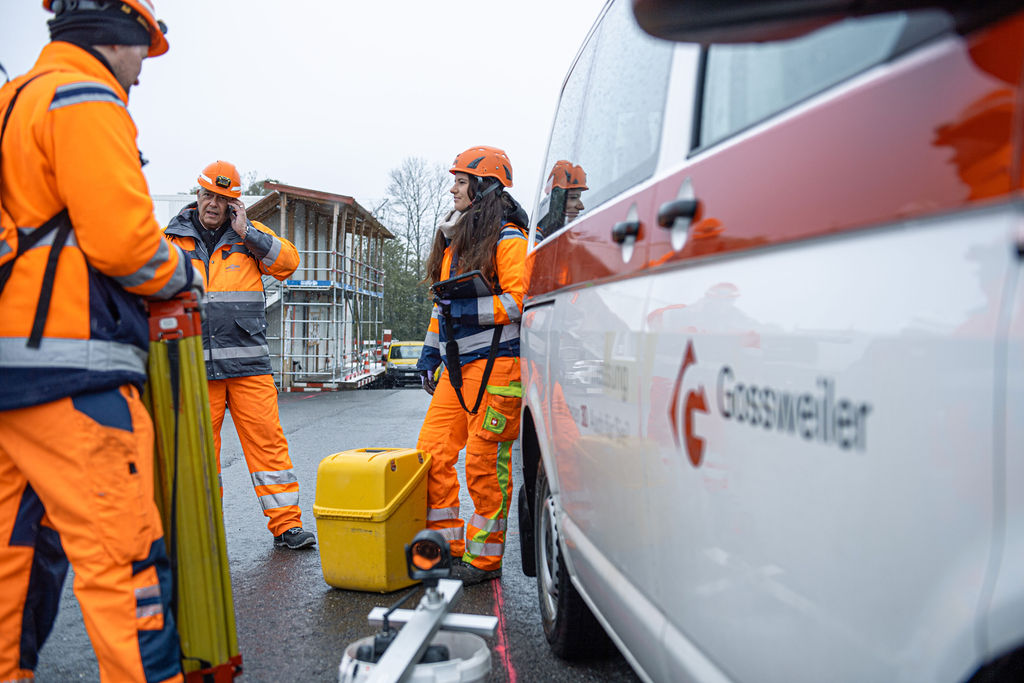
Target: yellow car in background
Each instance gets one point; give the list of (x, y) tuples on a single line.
[(401, 363)]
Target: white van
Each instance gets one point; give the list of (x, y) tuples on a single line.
[(773, 348)]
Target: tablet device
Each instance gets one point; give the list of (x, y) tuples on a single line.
[(464, 286)]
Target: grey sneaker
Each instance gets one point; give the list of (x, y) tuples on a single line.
[(295, 538), (471, 575)]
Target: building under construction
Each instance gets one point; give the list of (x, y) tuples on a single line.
[(324, 325)]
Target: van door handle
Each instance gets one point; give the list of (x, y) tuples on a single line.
[(674, 210), (624, 229)]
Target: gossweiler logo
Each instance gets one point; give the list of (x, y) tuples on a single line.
[(816, 415), (683, 411)]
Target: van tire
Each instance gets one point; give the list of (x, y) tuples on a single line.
[(1008, 668), (569, 626)]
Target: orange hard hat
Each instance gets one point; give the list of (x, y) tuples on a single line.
[(141, 10), (221, 177), (567, 176), (485, 162)]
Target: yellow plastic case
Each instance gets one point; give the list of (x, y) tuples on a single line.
[(370, 502)]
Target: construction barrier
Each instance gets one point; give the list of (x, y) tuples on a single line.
[(188, 492)]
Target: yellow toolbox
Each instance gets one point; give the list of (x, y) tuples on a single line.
[(370, 502)]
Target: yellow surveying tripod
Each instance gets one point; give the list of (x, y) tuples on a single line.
[(187, 491)]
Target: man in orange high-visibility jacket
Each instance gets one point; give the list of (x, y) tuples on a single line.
[(234, 253), (79, 248)]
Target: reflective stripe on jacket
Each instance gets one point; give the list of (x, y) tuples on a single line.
[(70, 143), (234, 332), (473, 320)]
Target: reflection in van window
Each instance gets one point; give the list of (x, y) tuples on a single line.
[(563, 197), (745, 84), (609, 118)]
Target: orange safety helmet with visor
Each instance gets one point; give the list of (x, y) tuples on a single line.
[(141, 11), (484, 162), (221, 177)]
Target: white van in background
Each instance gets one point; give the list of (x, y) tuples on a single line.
[(773, 348)]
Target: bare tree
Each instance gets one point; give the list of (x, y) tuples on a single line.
[(417, 202), (379, 209), (441, 182)]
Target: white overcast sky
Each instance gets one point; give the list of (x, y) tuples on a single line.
[(332, 94)]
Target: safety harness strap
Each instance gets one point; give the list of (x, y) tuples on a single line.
[(7, 117), (60, 224), (27, 241), (10, 105), (451, 352), (5, 269), (451, 348)]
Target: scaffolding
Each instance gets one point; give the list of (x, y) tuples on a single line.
[(324, 324)]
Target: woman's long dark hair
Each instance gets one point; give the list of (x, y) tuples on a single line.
[(476, 237)]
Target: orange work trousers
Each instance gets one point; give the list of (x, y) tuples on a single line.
[(253, 404), (487, 437), (76, 483)]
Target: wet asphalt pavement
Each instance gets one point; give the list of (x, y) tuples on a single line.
[(292, 626)]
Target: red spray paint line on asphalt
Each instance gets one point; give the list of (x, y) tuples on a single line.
[(502, 645)]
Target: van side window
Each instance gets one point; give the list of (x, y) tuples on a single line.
[(607, 129), (745, 84)]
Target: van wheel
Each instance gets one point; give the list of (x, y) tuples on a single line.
[(1005, 669), (571, 629)]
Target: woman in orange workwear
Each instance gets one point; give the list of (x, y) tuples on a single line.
[(476, 400)]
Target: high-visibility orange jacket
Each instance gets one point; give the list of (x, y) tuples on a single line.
[(234, 332), (473, 320), (70, 144)]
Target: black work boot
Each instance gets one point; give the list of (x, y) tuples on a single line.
[(295, 538), (471, 575)]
